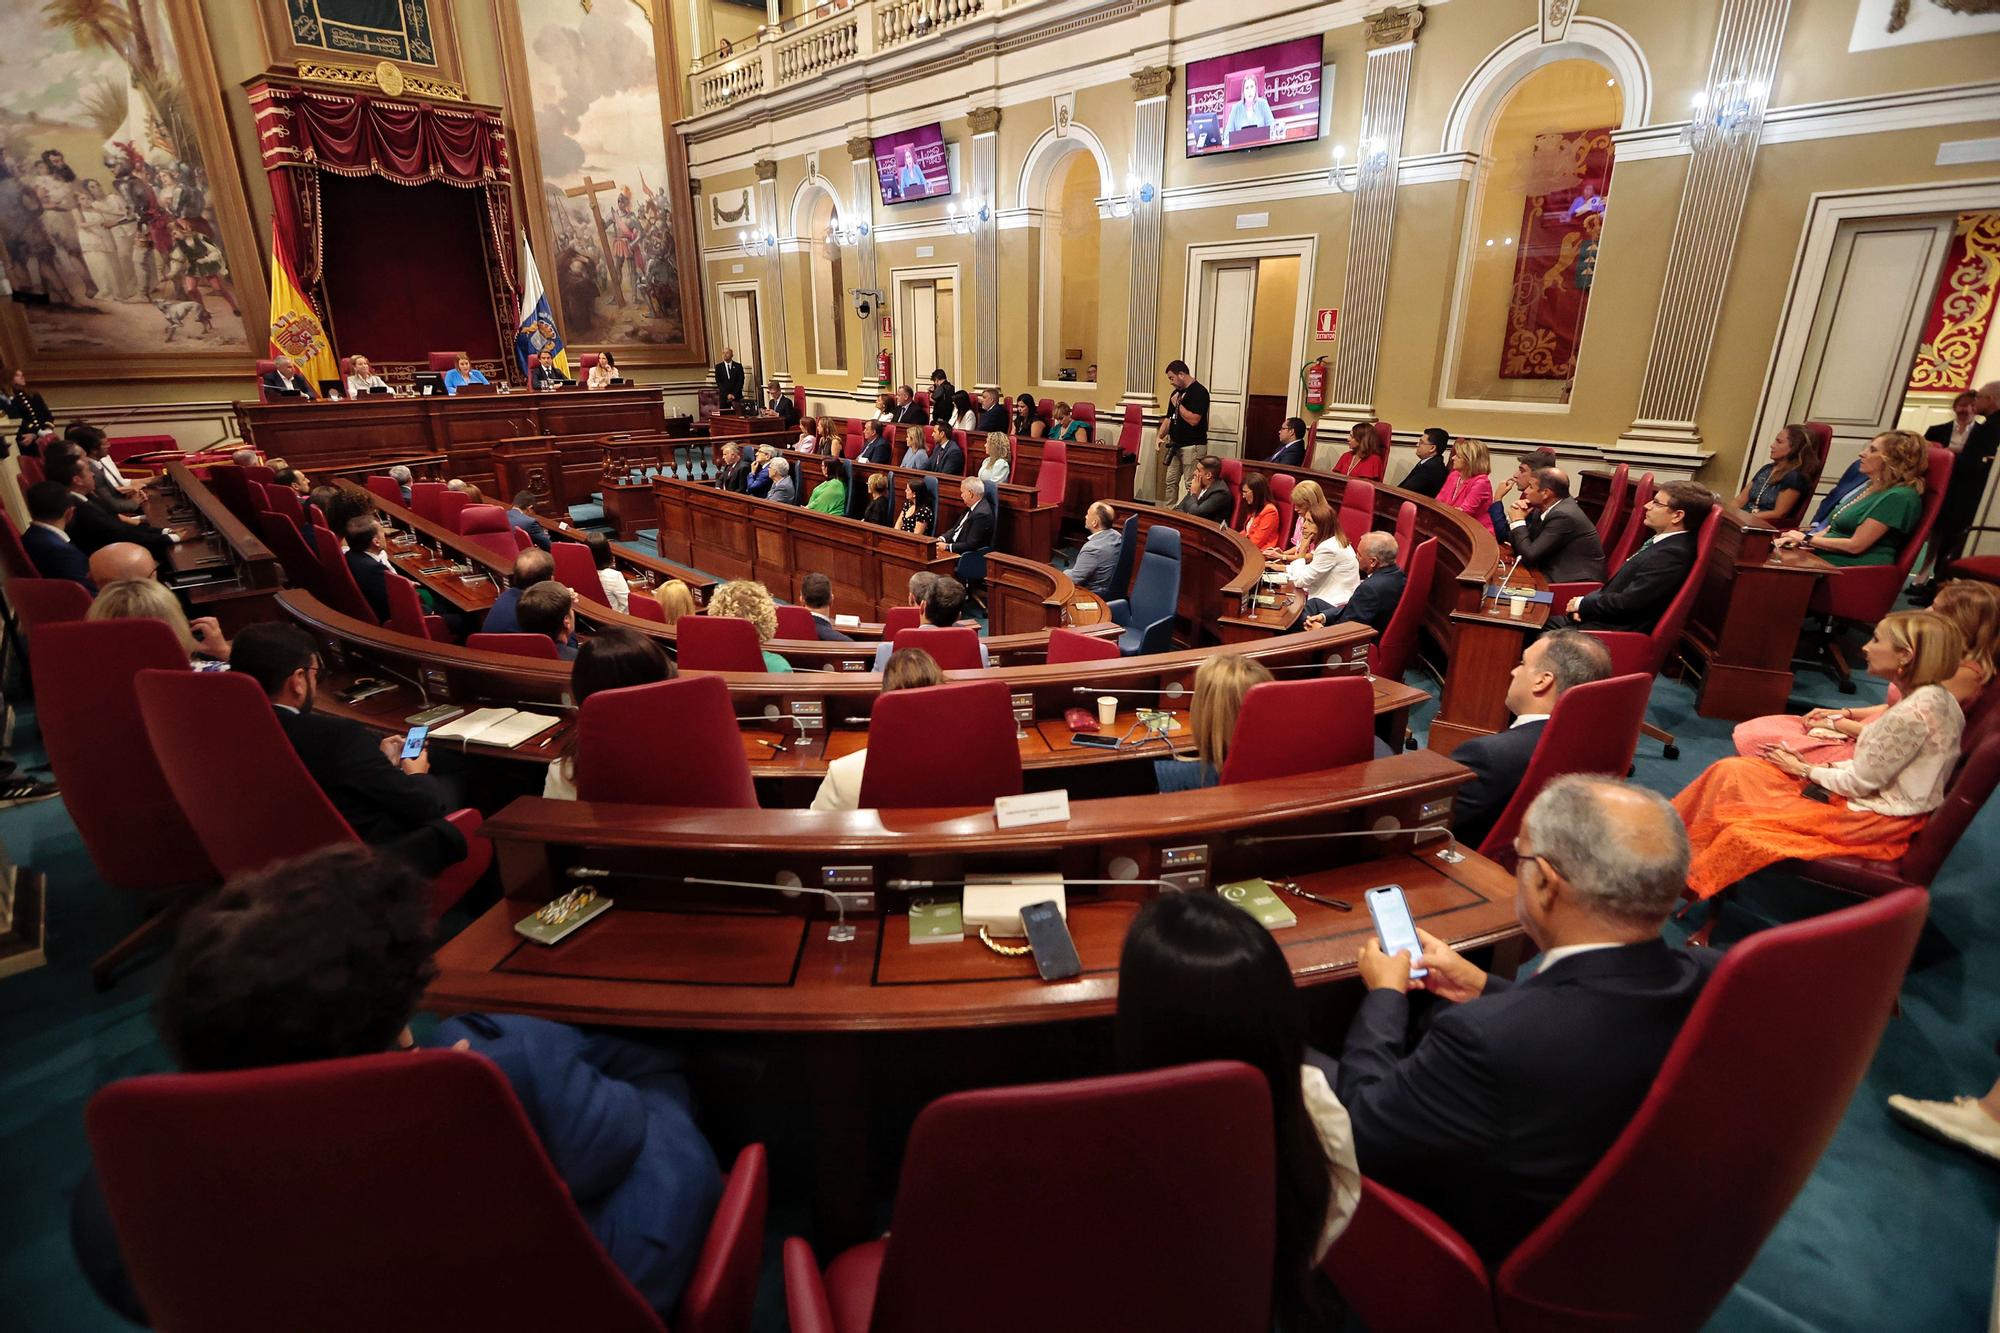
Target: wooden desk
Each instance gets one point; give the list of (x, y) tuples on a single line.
[(1487, 642), (240, 574), (1747, 619)]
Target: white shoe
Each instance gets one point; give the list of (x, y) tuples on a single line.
[(1961, 1122)]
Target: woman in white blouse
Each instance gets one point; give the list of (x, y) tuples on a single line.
[(361, 377), (1326, 568), (840, 789), (603, 373), (1744, 814), (996, 466), (964, 416), (617, 592)]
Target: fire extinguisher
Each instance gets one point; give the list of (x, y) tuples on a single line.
[(882, 366), (1315, 377)]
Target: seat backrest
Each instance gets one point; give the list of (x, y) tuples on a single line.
[(13, 555), (450, 505), (1085, 412), (645, 606), (1635, 526), (443, 361), (1406, 531), (406, 609), (371, 1228), (1163, 539), (1937, 480), (1667, 631), (799, 398), (259, 474), (674, 742), (900, 618), (387, 488), (587, 362), (941, 745), (576, 570), (425, 497), (1288, 727), (1769, 1042), (1052, 473), (1130, 430), (1357, 509), (1390, 656), (245, 792), (1964, 798), (954, 649), (231, 485), (1128, 555), (1232, 477), (1614, 500), (301, 566), (1156, 588), (87, 710), (1066, 645), (520, 644), (795, 622), (717, 643), (1045, 409), (482, 518), (31, 471), (1281, 496), (1109, 1258), (38, 602), (1594, 728), (337, 586)]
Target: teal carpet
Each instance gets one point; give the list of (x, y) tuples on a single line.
[(1893, 1231)]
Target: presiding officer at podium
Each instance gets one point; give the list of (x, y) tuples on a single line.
[(547, 374), (286, 379), (462, 374)]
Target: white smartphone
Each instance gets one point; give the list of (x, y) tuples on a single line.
[(1394, 926)]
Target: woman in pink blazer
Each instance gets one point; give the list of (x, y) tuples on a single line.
[(1470, 485)]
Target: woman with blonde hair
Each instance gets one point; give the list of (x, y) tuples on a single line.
[(752, 602), (1326, 569), (840, 789), (1469, 488), (1219, 687), (1870, 528), (676, 599), (916, 454), (1744, 814), (996, 467), (1306, 496), (148, 599)]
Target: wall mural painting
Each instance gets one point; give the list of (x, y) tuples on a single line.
[(1569, 181), (113, 244)]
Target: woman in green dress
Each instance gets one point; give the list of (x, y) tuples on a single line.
[(1873, 526)]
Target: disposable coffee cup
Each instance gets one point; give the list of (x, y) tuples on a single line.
[(1517, 605), (1107, 709)]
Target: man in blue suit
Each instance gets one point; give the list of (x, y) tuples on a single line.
[(1517, 1089), (1373, 601), (531, 566), (47, 535), (1291, 444), (519, 517), (1555, 662), (949, 458)]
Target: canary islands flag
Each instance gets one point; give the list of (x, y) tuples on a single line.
[(537, 330), (296, 330)]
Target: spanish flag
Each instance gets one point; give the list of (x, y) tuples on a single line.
[(296, 330)]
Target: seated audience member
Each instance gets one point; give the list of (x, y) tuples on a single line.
[(881, 505), (943, 601), (808, 439), (391, 802), (836, 447), (1827, 735), (917, 515), (1306, 496), (519, 517), (909, 412), (1260, 515), (1427, 475), (1199, 979), (1291, 450), (964, 412), (1326, 569), (759, 481), (1363, 458), (915, 454), (368, 562), (992, 412), (461, 375), (783, 490), (830, 496), (1097, 559), (531, 566), (286, 380), (1219, 687), (1207, 494), (617, 592), (776, 400), (46, 537), (121, 560), (547, 374), (876, 446), (1373, 601), (974, 529), (1551, 534), (243, 457), (885, 408), (344, 506), (148, 599), (996, 467), (676, 599), (1555, 662), (1496, 1112), (605, 373), (942, 453), (751, 602), (1871, 527), (942, 398), (326, 957), (1778, 493), (611, 659), (816, 595), (1744, 814), (1637, 595), (91, 524), (361, 377), (840, 789), (108, 484), (1524, 473), (401, 476), (1468, 488), (1068, 426), (735, 473), (549, 608), (1025, 419)]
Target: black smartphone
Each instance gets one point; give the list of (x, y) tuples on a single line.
[(1094, 740), (1048, 936), (1812, 791)]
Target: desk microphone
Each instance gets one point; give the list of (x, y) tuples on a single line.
[(924, 885), (772, 714), (839, 933), (1255, 839), (1171, 692), (414, 682)]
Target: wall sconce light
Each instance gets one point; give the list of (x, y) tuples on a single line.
[(1137, 191), (1727, 116), (1371, 159), (844, 233), (763, 243), (978, 213)]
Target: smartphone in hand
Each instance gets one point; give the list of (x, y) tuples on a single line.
[(413, 744), (1394, 925)]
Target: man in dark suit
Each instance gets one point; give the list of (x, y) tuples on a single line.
[(547, 374), (948, 458), (1426, 475), (1291, 451), (549, 609), (876, 446), (286, 380), (1207, 496), (1638, 594), (1493, 1115), (47, 537), (992, 412), (1551, 533), (735, 473), (816, 595), (91, 523), (531, 566), (1551, 664), (1969, 470), (729, 381), (519, 517), (368, 562), (778, 401), (974, 529), (908, 411), (1374, 599), (941, 395), (391, 803)]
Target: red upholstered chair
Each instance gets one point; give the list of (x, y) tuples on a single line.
[(799, 398), (1614, 500), (1066, 645), (1634, 528), (717, 643), (231, 485), (1108, 1258), (301, 566), (922, 398), (1982, 568), (37, 602), (337, 586), (576, 570), (377, 1228), (245, 792), (1357, 508), (122, 447), (1045, 409), (1593, 729), (259, 474), (1052, 473), (1822, 438), (406, 612), (440, 362), (424, 498), (1406, 531), (901, 618), (1232, 477), (482, 518), (795, 622), (31, 471), (387, 488), (1087, 414), (345, 367), (674, 742), (450, 505), (1385, 438), (587, 362), (1281, 496), (953, 649), (13, 554), (1863, 594), (1130, 431), (1768, 1043), (265, 365), (972, 722), (1288, 727), (518, 645), (1391, 655), (87, 710), (645, 606)]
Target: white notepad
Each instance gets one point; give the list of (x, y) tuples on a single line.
[(495, 726)]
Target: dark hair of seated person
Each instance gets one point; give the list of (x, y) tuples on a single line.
[(544, 607), (361, 530), (816, 592), (944, 603), (314, 958), (270, 651), (532, 566), (346, 505), (612, 659), (600, 549), (63, 469), (84, 435), (1200, 979), (48, 501)]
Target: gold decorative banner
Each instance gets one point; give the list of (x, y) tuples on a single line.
[(1962, 315)]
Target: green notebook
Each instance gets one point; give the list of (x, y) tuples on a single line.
[(936, 921), (1259, 899)]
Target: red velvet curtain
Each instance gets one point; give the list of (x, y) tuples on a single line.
[(405, 273)]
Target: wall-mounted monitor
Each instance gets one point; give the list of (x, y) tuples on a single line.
[(1254, 98), (913, 165)]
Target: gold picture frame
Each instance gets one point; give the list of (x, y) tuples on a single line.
[(443, 78)]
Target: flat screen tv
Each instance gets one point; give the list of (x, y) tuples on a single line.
[(913, 165), (1254, 98)]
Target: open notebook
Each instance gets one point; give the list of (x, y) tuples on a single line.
[(495, 726)]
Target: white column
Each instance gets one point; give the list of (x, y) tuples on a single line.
[(701, 30), (774, 13), (1142, 303), (776, 337), (985, 122), (861, 157)]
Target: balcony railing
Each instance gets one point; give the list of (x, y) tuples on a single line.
[(842, 36)]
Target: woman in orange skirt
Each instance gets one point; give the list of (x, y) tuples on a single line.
[(1744, 814)]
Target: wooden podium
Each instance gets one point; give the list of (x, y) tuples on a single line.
[(530, 465)]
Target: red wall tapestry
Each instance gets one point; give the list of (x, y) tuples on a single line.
[(1962, 313), (1569, 179)]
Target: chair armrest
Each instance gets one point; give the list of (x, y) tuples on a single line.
[(721, 1296), (806, 1305), (1399, 1266), (1121, 611), (1560, 593), (452, 885)]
